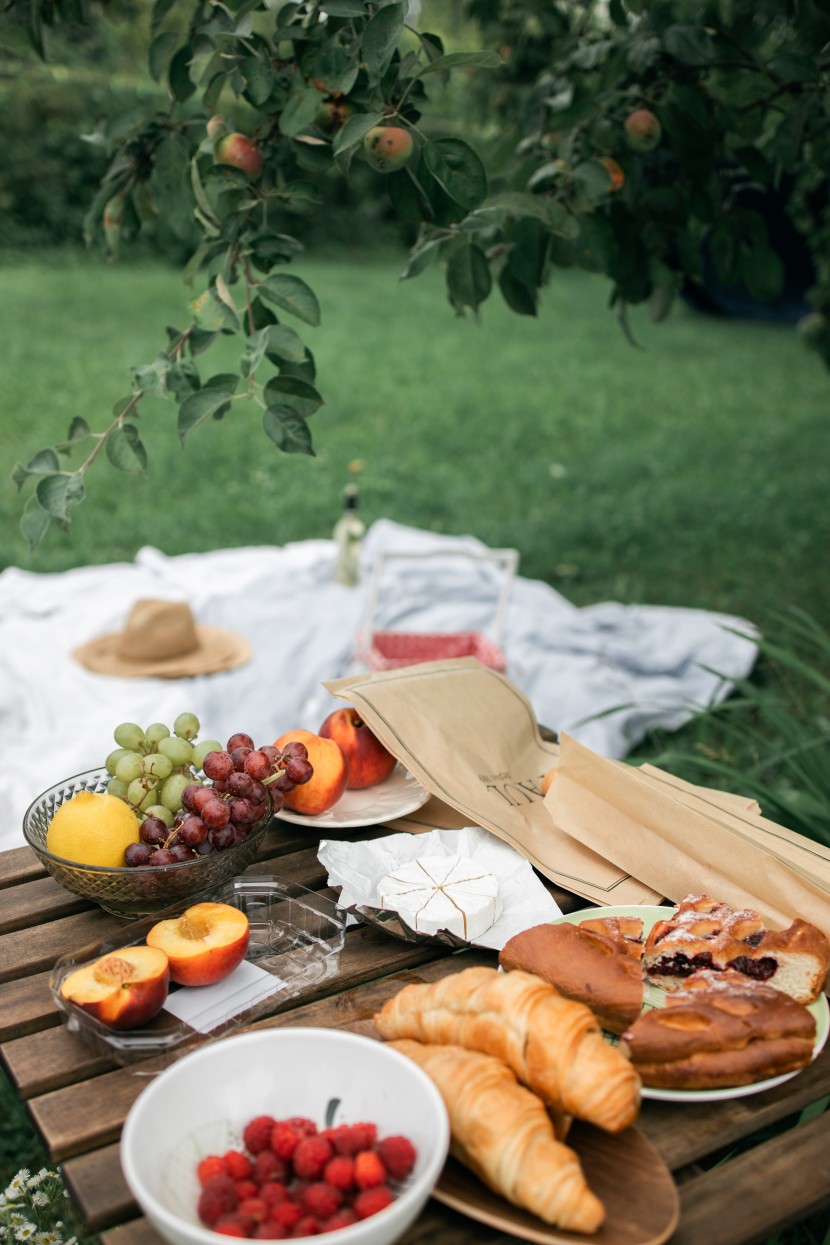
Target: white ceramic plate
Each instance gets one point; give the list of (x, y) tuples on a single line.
[(397, 795), (655, 997)]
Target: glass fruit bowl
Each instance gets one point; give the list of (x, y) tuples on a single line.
[(125, 891)]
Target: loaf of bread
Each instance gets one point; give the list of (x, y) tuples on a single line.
[(592, 966), (703, 933), (720, 1029), (553, 1045), (502, 1132)]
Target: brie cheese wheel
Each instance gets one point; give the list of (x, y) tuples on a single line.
[(433, 893)]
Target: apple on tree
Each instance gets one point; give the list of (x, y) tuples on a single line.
[(387, 148), (233, 148), (124, 989), (643, 130), (369, 760), (203, 945)]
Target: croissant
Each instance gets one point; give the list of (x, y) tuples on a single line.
[(554, 1045), (502, 1132)]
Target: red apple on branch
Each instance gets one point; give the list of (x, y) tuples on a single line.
[(369, 760)]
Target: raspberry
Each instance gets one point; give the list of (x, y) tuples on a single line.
[(322, 1200), (246, 1188), (237, 1164), (255, 1208), (231, 1225), (286, 1214), (307, 1226), (284, 1140), (351, 1138), (398, 1155), (218, 1197), (368, 1170), (339, 1171), (213, 1165), (257, 1133), (269, 1231), (267, 1166), (370, 1201), (344, 1218), (272, 1192), (302, 1125), (311, 1156)]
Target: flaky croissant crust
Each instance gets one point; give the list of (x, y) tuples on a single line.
[(502, 1132), (553, 1045)]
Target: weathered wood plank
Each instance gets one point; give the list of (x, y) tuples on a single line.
[(684, 1135), (36, 902), (26, 1006), (19, 865), (750, 1198)]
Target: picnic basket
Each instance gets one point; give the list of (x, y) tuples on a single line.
[(380, 649)]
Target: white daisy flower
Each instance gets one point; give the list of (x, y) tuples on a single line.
[(25, 1232), (40, 1198)]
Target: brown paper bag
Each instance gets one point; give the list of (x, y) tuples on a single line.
[(472, 739), (684, 840)]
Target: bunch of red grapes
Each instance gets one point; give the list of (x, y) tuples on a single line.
[(245, 782)]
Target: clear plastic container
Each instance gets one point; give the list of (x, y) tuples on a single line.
[(296, 936)]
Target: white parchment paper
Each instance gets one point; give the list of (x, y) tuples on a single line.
[(358, 867)]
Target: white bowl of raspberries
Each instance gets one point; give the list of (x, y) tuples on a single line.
[(286, 1133)]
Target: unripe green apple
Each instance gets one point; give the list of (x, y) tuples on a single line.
[(241, 152), (642, 130), (387, 148)]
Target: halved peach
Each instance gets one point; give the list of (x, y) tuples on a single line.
[(204, 944), (124, 989)]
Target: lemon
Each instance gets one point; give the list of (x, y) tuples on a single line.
[(92, 829)]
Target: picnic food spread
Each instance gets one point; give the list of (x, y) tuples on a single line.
[(435, 893)]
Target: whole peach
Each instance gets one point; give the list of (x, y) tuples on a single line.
[(330, 777)]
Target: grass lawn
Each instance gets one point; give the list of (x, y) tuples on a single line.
[(693, 471)]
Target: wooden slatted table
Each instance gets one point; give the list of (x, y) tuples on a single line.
[(771, 1179)]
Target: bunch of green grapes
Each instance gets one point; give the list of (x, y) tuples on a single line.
[(150, 768)]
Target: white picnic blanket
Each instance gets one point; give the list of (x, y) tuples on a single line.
[(652, 664)]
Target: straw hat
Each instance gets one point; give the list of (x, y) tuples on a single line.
[(162, 640)]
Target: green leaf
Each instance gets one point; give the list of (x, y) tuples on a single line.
[(421, 256), (42, 463), (293, 295), (380, 38), (298, 395), (152, 377), (468, 276), (161, 50), (207, 403), (284, 343), (406, 198), (178, 75), (352, 132), (213, 314), (287, 430), (259, 78), (34, 523), (592, 181), (793, 67), (331, 1111), (458, 170), (519, 297), (300, 111), (78, 429), (125, 450), (457, 60), (346, 8), (58, 494), (690, 45)]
